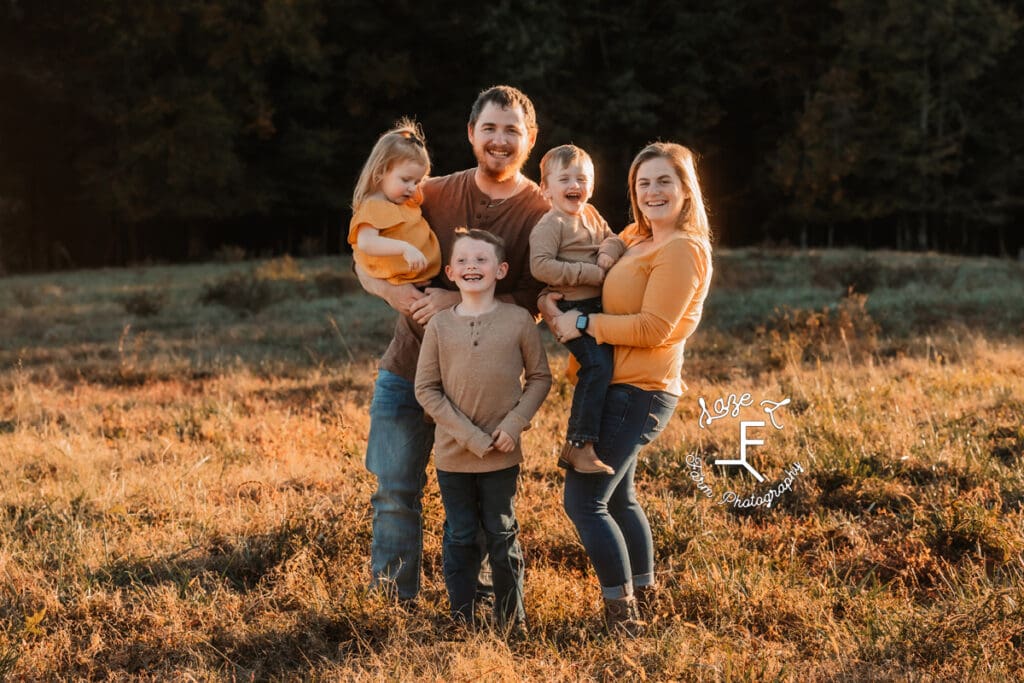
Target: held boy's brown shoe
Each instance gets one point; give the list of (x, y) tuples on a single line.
[(583, 459)]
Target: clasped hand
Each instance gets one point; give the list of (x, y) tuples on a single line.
[(422, 306), (562, 325), (503, 443)]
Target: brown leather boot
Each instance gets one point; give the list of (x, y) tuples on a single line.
[(621, 616), (582, 459), (645, 601)]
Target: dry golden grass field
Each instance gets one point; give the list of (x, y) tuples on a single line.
[(182, 491)]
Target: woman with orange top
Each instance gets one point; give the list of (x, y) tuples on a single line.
[(652, 300)]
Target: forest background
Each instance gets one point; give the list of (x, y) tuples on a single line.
[(169, 131)]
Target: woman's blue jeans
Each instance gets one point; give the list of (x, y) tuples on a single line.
[(611, 524), (475, 500)]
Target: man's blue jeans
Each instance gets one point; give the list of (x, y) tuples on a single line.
[(611, 524), (397, 452), (475, 500), (595, 372)]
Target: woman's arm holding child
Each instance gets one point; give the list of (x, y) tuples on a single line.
[(675, 279)]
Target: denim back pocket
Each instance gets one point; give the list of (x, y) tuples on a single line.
[(663, 407)]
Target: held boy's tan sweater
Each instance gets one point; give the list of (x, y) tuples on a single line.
[(564, 251), (470, 380)]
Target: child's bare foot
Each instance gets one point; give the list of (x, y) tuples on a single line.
[(583, 459)]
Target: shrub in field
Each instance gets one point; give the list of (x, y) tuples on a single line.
[(734, 272), (239, 291), (845, 331), (251, 291), (145, 302), (861, 274), (284, 268), (931, 273), (966, 528), (331, 283), (27, 297)]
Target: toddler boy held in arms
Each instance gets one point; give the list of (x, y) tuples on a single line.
[(481, 376), (571, 249)]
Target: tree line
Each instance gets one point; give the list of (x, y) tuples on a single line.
[(134, 131)]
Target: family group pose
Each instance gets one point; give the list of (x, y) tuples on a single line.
[(468, 260)]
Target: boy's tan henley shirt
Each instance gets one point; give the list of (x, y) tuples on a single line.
[(477, 374)]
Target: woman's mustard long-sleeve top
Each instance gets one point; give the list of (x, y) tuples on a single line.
[(652, 303)]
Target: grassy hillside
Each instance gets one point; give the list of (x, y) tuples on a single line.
[(182, 494)]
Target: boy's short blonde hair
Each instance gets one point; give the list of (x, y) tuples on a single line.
[(484, 236), (561, 157)]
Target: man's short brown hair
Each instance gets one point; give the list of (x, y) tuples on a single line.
[(505, 96)]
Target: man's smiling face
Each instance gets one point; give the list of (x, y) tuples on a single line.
[(501, 141)]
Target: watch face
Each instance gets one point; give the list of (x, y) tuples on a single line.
[(581, 322)]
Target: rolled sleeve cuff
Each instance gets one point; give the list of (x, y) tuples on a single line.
[(480, 444)]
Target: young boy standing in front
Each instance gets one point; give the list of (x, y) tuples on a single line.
[(571, 249), (470, 379)]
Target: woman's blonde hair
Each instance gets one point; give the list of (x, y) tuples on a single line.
[(694, 218), (404, 142)]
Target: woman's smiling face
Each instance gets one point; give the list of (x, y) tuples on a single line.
[(659, 192)]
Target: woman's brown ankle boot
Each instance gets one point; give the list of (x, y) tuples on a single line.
[(622, 617)]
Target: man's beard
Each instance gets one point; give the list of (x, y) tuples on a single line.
[(505, 173)]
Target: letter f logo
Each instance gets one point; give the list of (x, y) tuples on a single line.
[(744, 442)]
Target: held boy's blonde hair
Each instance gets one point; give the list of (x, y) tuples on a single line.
[(561, 157), (694, 218), (404, 142)]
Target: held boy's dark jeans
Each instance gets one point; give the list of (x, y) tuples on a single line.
[(592, 379)]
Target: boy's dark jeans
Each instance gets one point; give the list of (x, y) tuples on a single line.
[(473, 500), (592, 379)]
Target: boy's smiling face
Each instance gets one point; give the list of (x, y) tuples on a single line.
[(569, 187), (474, 265)]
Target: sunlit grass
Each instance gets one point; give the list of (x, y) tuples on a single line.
[(183, 494)]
